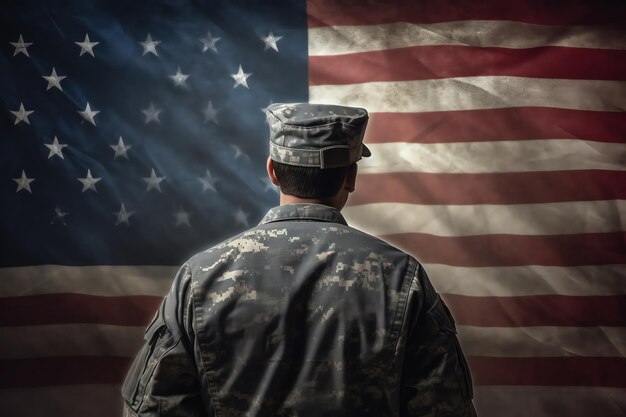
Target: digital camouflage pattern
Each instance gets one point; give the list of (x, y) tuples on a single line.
[(316, 135), (301, 316)]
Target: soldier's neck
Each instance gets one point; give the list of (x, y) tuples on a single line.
[(290, 199)]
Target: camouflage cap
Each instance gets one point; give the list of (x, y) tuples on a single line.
[(316, 135)]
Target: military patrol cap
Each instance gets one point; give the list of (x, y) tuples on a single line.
[(316, 135)]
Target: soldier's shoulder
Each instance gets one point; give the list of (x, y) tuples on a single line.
[(367, 240), (214, 252)]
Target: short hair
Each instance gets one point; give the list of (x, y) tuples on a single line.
[(310, 182)]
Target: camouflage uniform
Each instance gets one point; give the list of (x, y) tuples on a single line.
[(300, 316)]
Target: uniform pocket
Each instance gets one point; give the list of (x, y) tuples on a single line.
[(158, 341), (441, 316)]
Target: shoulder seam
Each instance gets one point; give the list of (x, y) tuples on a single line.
[(411, 272)]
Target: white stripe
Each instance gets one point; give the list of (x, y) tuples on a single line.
[(498, 156), (528, 280), (334, 40), (70, 340), (471, 93), (477, 281), (62, 401), (482, 219), (543, 401), (94, 280), (543, 341)]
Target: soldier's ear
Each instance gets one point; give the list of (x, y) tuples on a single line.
[(270, 171), (350, 184)]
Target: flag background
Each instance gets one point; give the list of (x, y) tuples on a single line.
[(499, 162)]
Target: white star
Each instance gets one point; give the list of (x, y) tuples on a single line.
[(56, 148), (241, 78), (241, 217), (59, 216), (210, 113), (152, 114), (182, 217), (238, 151), (120, 149), (208, 182), (89, 182), (209, 43), (89, 114), (149, 46), (153, 182), (179, 78), (20, 46), (23, 183), (270, 41), (86, 46), (22, 114), (123, 215), (268, 185), (54, 80)]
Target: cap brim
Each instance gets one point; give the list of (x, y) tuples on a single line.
[(366, 152)]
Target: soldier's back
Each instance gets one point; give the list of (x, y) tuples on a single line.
[(301, 316)]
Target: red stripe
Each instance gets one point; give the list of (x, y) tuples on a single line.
[(518, 123), (432, 62), (41, 372), (562, 371), (358, 12), (478, 311), (572, 371), (515, 250), (501, 188), (538, 310), (77, 308)]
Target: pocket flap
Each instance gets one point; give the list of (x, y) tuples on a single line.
[(441, 315)]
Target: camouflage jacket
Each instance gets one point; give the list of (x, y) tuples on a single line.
[(300, 316)]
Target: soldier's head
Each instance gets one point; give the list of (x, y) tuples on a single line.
[(314, 149)]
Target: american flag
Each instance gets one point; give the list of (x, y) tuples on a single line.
[(132, 135)]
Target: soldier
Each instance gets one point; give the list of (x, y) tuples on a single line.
[(303, 315)]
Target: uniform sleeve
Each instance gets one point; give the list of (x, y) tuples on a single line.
[(163, 379), (436, 379)]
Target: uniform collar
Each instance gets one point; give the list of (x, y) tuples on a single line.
[(312, 212)]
